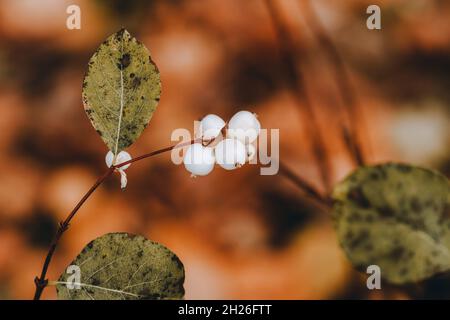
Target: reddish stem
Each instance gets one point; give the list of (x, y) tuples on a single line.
[(41, 282)]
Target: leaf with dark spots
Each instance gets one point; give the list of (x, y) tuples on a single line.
[(124, 266), (121, 89), (394, 216)]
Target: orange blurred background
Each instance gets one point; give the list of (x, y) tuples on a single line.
[(239, 234)]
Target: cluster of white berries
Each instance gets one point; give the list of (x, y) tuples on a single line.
[(231, 152), (121, 157)]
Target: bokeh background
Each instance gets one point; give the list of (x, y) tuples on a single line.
[(240, 235)]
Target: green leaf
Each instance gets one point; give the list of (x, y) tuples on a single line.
[(124, 266), (395, 216), (121, 90)]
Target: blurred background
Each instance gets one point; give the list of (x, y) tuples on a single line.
[(239, 234)]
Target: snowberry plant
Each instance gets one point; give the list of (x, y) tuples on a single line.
[(395, 216), (121, 90)]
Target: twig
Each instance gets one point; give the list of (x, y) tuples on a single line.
[(342, 80), (296, 83), (154, 153), (305, 186), (41, 282)]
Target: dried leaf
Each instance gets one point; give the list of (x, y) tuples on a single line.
[(121, 90), (124, 266), (395, 216)]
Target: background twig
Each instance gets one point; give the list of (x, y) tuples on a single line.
[(305, 186), (342, 80), (296, 82)]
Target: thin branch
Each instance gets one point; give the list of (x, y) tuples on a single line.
[(342, 80), (154, 153), (304, 186), (296, 82), (41, 282)]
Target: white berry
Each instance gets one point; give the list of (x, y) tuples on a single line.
[(210, 127), (122, 157), (244, 126), (199, 160), (251, 151), (230, 154)]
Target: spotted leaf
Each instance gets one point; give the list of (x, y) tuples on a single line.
[(395, 216), (121, 90), (118, 266)]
